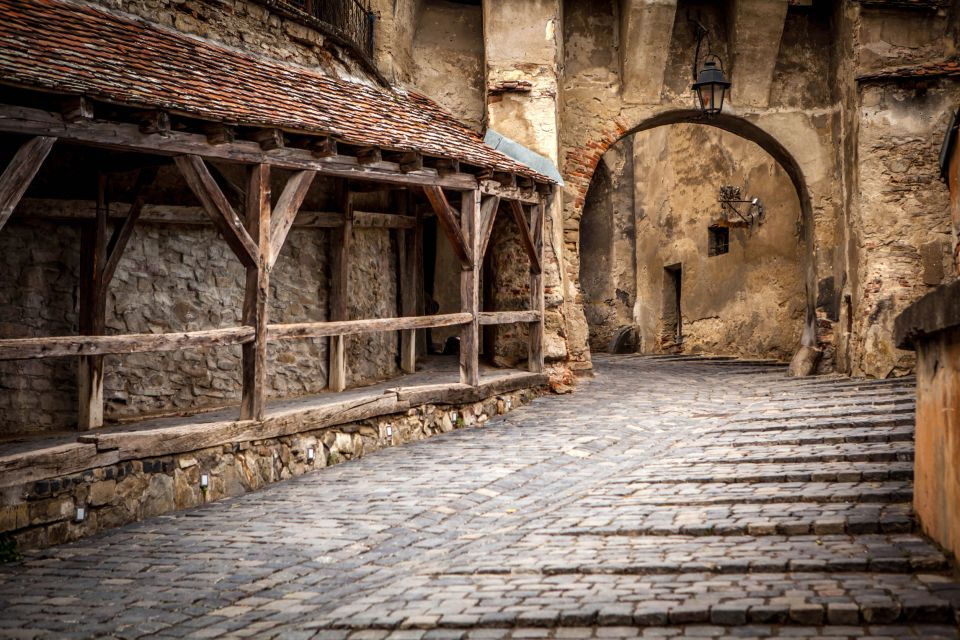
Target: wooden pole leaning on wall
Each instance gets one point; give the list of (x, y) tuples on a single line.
[(535, 351), (255, 313), (408, 246), (340, 240), (469, 290)]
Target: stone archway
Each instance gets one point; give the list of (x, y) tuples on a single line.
[(579, 168)]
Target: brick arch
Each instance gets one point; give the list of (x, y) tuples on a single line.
[(580, 165)]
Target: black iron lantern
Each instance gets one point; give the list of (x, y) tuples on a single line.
[(711, 86)]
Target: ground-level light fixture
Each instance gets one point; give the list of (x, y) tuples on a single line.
[(710, 86)]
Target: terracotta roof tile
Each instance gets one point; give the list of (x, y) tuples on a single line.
[(939, 68), (80, 49)]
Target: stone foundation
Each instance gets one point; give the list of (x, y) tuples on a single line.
[(43, 513)]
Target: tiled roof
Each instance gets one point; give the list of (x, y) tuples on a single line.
[(939, 68), (79, 49)]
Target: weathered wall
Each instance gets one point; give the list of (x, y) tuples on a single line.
[(180, 278), (748, 302), (448, 58), (506, 287), (249, 26)]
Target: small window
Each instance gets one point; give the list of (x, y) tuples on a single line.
[(718, 241)]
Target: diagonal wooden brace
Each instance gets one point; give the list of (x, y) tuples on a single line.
[(286, 210), (526, 239), (20, 173), (447, 218)]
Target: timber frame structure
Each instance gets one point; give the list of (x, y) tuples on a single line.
[(41, 115)]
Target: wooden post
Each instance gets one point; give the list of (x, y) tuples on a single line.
[(257, 223), (407, 241), (92, 311), (469, 290), (341, 238), (535, 359)]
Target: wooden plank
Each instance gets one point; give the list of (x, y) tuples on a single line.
[(525, 238), (488, 215), (408, 297), (447, 219), (288, 205), (256, 293), (94, 345), (92, 312), (115, 135), (49, 209), (123, 232), (354, 327), (51, 462), (76, 108), (464, 393), (508, 317), (469, 293), (340, 240), (526, 196), (21, 170), (535, 349), (217, 206)]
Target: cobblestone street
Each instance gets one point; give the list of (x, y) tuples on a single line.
[(667, 497)]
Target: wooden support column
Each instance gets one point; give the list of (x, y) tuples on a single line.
[(20, 173), (407, 243), (341, 239), (535, 359), (257, 223), (469, 290), (92, 311)]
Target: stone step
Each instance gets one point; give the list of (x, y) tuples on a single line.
[(773, 452), (612, 554), (828, 412), (735, 438), (784, 518), (576, 600), (618, 630), (764, 472), (688, 493), (825, 423)]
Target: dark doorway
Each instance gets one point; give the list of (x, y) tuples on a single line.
[(672, 333)]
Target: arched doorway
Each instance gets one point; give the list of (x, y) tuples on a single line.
[(660, 254)]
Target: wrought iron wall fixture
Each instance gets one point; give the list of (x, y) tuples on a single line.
[(731, 201)]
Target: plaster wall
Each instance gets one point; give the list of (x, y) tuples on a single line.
[(448, 58)]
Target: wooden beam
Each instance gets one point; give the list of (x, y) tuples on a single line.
[(76, 108), (123, 232), (153, 121), (505, 178), (447, 219), (526, 196), (371, 325), (470, 292), (256, 293), (369, 155), (488, 215), (525, 237), (219, 133), (340, 241), (536, 331), (126, 136), (508, 317), (48, 209), (96, 346), (20, 173), (288, 205), (323, 147), (217, 206), (410, 161), (408, 241), (268, 139), (92, 312)]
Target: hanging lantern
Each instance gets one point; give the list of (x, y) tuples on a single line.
[(711, 86)]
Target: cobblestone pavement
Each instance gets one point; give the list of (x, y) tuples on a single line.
[(668, 497)]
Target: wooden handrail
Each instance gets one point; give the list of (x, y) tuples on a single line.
[(60, 346), (508, 317), (352, 327)]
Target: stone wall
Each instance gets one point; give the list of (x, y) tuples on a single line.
[(250, 26), (43, 513), (506, 287), (181, 278)]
